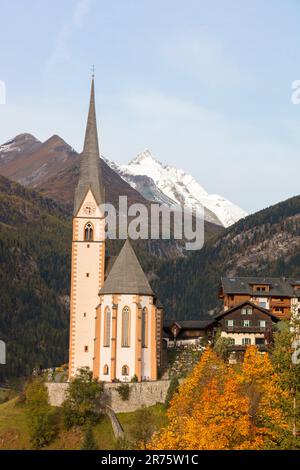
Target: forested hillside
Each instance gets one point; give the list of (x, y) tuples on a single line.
[(265, 243), (35, 248), (34, 279), (35, 245)]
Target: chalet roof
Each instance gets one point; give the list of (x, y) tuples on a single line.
[(242, 304), (126, 275), (90, 176), (244, 285), (190, 324)]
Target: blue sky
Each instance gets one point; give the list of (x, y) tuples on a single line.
[(205, 85)]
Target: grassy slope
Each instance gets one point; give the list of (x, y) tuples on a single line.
[(14, 433)]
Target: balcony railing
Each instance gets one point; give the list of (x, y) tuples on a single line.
[(245, 329), (242, 347)]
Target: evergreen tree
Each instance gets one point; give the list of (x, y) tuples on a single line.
[(40, 416), (83, 402), (89, 442)]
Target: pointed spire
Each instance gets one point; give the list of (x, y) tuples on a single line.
[(126, 275), (90, 164)]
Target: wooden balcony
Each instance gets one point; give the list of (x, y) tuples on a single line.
[(245, 329), (242, 347)]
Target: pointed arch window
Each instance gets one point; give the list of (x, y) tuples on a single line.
[(88, 232), (125, 370), (105, 370), (144, 328), (125, 341), (107, 322)]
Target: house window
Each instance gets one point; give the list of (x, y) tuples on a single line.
[(86, 349), (262, 303), (88, 232), (262, 323), (246, 341), (230, 323), (105, 370), (231, 341), (260, 289), (144, 328), (259, 341), (125, 370), (246, 311), (246, 323), (87, 274), (125, 327), (107, 318), (84, 314)]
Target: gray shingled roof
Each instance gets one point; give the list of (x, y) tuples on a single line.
[(190, 324), (126, 275), (243, 285), (242, 304), (90, 164)]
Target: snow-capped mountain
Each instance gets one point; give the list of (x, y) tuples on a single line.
[(169, 185)]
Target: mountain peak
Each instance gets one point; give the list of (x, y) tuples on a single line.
[(173, 186), (141, 157), (56, 140)]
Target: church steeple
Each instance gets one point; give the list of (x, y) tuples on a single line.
[(90, 164)]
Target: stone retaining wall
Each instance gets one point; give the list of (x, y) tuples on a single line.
[(141, 394), (115, 424)]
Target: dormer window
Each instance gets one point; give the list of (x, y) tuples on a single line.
[(88, 232), (261, 288)]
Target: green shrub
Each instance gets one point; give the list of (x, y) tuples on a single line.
[(124, 391), (41, 418), (89, 442), (82, 405)]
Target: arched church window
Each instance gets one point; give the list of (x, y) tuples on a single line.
[(125, 370), (125, 341), (88, 232), (105, 370), (144, 328), (107, 321)]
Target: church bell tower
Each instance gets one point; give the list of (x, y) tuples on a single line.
[(88, 249)]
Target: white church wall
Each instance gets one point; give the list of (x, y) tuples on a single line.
[(105, 351), (86, 282), (126, 355), (146, 352)]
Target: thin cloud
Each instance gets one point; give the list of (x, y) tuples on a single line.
[(206, 58), (62, 51)]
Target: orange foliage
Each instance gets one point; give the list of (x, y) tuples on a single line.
[(218, 407)]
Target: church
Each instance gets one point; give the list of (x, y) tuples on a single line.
[(115, 318)]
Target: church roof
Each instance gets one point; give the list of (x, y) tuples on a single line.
[(126, 275), (90, 164)]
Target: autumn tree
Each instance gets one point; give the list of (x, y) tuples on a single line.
[(224, 407), (268, 401), (285, 358)]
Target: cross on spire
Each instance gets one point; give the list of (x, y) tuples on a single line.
[(93, 71)]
